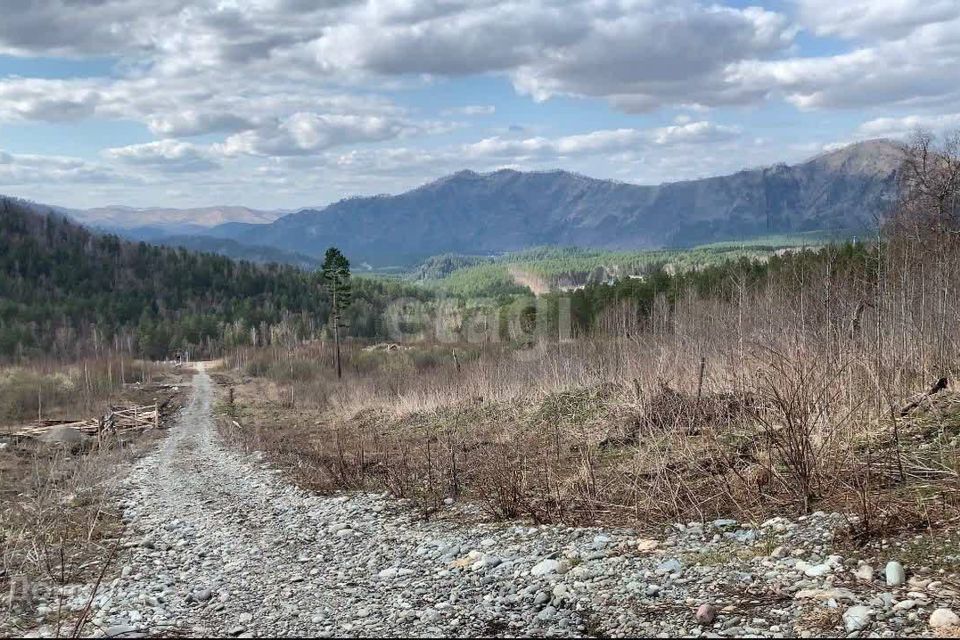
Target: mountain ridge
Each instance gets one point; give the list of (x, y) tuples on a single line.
[(508, 210), (120, 217)]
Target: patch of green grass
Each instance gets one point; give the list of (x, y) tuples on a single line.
[(933, 550), (489, 276)]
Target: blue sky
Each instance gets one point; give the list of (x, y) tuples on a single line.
[(278, 104)]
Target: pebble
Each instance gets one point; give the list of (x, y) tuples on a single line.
[(944, 619), (706, 614), (856, 617), (545, 567), (895, 574)]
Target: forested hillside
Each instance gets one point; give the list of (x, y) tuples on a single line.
[(65, 289)]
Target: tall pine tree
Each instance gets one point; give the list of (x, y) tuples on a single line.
[(336, 278)]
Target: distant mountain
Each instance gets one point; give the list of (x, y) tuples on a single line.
[(506, 210), (237, 251), (117, 218)]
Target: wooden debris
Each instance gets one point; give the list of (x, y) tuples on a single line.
[(117, 420), (938, 386)]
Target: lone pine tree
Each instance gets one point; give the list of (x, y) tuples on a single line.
[(336, 278)]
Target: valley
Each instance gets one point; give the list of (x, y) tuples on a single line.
[(740, 438), (499, 319)]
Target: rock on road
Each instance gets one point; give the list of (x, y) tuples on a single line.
[(220, 544)]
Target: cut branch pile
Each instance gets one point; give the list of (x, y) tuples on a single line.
[(117, 420)]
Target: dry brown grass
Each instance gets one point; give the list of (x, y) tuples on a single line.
[(784, 398), (54, 389)]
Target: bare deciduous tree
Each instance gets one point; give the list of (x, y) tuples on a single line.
[(930, 180)]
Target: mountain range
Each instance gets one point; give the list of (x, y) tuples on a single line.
[(847, 189), (119, 217)]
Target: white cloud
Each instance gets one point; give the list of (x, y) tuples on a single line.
[(165, 155), (874, 19), (670, 54), (904, 126), (184, 59), (307, 133), (601, 142), (272, 90), (29, 169), (472, 110), (51, 100), (917, 68), (694, 133)]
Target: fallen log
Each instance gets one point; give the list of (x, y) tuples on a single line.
[(937, 387)]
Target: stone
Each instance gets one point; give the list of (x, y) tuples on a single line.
[(600, 541), (856, 617), (864, 572), (669, 566), (905, 605), (201, 595), (706, 614), (837, 594), (944, 619), (646, 546), (895, 574), (545, 567), (817, 570)]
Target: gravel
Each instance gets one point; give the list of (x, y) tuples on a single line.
[(222, 545)]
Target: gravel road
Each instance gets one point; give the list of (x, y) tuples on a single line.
[(220, 544)]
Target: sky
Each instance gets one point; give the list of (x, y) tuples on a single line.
[(282, 104)]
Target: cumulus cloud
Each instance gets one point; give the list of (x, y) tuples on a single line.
[(638, 53), (665, 55), (28, 169), (308, 133), (51, 100), (603, 141), (903, 126), (915, 64), (874, 19), (190, 63), (165, 155), (686, 132)]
